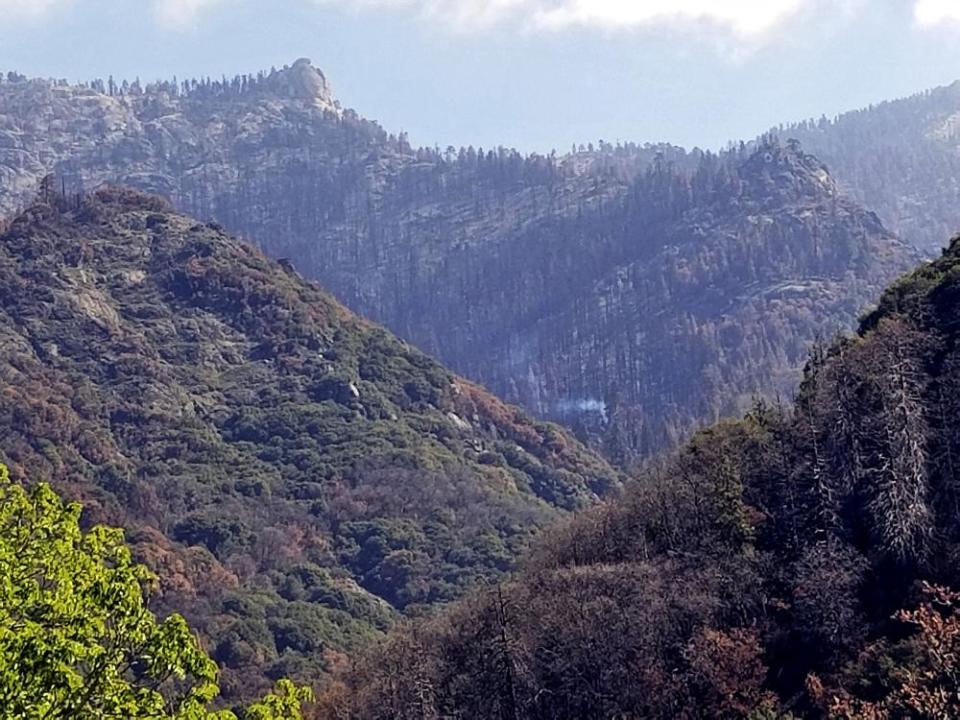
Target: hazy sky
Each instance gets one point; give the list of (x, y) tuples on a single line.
[(534, 74)]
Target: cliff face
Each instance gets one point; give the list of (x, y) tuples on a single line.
[(294, 474), (632, 294)]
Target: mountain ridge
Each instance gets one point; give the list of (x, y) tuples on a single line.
[(898, 157), (501, 265)]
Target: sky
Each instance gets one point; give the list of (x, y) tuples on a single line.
[(532, 74)]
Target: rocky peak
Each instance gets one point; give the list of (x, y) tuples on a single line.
[(784, 171), (301, 81)]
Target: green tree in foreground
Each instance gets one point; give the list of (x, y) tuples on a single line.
[(76, 637)]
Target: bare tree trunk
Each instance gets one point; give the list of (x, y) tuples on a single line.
[(899, 504), (425, 696)]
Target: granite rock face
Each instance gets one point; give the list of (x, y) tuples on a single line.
[(632, 293)]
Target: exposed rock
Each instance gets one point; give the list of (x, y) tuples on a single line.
[(302, 81), (899, 158)]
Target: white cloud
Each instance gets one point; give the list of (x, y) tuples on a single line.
[(930, 13), (169, 14), (181, 14), (747, 21), (743, 18), (747, 18), (25, 9), (461, 14)]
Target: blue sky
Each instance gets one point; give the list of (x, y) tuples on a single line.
[(535, 74)]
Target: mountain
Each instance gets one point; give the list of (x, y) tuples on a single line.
[(672, 307), (796, 563), (899, 158), (297, 476), (632, 292)]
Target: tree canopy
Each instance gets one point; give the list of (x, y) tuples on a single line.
[(77, 639)]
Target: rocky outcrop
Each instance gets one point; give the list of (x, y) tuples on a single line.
[(302, 81), (900, 158)]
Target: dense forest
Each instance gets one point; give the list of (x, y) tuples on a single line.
[(792, 564), (296, 476), (632, 292)]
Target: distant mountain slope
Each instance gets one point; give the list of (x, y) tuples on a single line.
[(899, 158), (632, 292), (293, 473), (676, 306), (795, 564)]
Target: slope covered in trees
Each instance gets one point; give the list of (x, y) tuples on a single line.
[(633, 292), (795, 563), (899, 158), (676, 305), (295, 475)]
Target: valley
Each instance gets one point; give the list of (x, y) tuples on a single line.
[(293, 409)]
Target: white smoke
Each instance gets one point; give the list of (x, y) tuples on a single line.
[(583, 405)]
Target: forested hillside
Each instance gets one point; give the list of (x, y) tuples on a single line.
[(676, 306), (796, 563), (633, 292), (295, 475), (899, 158)]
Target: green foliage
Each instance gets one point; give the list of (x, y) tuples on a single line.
[(285, 704), (243, 426), (76, 637), (216, 533)]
